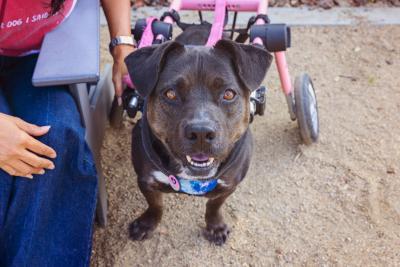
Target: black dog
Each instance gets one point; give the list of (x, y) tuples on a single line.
[(194, 136)]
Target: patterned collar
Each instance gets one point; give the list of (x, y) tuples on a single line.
[(192, 187)]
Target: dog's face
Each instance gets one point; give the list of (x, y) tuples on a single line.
[(198, 99)]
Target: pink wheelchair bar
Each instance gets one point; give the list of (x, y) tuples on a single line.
[(220, 7)]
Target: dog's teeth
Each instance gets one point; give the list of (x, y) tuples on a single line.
[(199, 164)]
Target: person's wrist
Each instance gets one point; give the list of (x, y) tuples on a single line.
[(119, 52)]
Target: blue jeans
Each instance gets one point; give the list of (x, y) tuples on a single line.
[(46, 221)]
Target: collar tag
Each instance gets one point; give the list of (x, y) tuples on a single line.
[(174, 183)]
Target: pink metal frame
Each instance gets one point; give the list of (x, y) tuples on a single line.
[(218, 25), (259, 6)]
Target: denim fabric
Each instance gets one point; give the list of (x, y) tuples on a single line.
[(46, 221)]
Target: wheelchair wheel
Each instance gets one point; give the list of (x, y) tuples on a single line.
[(306, 109)]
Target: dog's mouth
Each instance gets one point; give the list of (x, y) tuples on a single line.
[(200, 161)]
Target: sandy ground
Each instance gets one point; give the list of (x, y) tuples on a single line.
[(335, 203)]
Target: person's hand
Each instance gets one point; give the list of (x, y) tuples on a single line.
[(119, 68), (20, 153)]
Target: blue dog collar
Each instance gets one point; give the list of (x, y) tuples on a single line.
[(192, 187)]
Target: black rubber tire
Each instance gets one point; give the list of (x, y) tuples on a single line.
[(116, 114), (306, 109)]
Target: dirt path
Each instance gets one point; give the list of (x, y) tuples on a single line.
[(334, 203)]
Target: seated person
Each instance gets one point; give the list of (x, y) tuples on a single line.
[(48, 181)]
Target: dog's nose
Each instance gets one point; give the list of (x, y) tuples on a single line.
[(200, 133)]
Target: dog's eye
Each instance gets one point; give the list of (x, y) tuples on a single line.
[(170, 94), (229, 94)]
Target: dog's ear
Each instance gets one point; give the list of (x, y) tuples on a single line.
[(251, 62), (145, 64)]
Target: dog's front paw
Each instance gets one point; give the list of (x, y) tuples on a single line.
[(141, 229), (217, 234)]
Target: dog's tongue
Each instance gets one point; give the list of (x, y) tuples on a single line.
[(200, 157)]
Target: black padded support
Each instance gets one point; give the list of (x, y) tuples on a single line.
[(137, 32), (163, 28), (276, 37)]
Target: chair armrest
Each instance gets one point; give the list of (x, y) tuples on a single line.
[(71, 53)]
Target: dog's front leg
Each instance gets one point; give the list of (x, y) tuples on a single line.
[(216, 230), (143, 226)]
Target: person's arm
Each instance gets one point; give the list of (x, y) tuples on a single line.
[(20, 153), (118, 14)]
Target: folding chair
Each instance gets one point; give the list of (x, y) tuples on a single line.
[(70, 55)]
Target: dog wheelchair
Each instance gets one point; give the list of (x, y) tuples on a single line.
[(275, 38)]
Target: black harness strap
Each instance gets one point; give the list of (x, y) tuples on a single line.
[(244, 33)]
